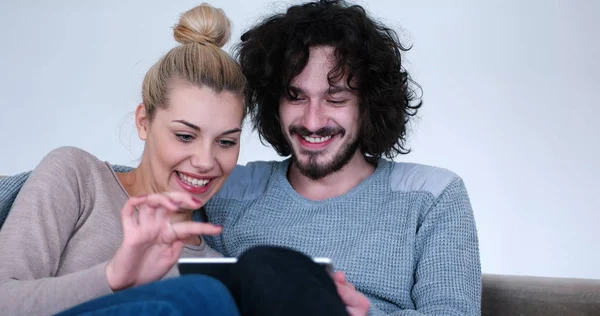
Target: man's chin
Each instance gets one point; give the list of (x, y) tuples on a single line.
[(312, 157), (319, 164), (314, 169)]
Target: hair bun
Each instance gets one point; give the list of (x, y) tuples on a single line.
[(203, 24)]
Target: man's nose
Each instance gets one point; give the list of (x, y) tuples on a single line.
[(313, 117)]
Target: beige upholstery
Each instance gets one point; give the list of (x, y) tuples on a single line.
[(523, 295)]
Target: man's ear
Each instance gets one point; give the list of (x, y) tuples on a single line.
[(141, 121)]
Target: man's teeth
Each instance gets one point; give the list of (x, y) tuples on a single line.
[(316, 139), (192, 181)]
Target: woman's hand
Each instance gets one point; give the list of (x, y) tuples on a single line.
[(357, 304), (151, 244)]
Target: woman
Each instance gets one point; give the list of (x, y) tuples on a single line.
[(78, 230)]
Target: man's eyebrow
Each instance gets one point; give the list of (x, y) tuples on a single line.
[(332, 89), (338, 89), (188, 124), (295, 89)]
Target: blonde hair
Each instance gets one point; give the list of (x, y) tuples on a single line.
[(199, 60)]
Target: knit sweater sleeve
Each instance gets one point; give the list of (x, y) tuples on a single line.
[(448, 270), (42, 219)]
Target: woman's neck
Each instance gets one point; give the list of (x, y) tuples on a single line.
[(137, 183)]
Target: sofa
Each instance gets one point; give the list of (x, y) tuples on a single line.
[(526, 295)]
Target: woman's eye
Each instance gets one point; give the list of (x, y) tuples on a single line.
[(185, 137), (337, 101), (227, 143)]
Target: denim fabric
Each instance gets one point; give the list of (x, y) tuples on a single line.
[(185, 295)]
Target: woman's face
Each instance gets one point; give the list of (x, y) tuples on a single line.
[(194, 143)]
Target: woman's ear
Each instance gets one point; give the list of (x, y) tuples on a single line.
[(141, 121)]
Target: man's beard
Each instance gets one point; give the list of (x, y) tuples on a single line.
[(311, 168)]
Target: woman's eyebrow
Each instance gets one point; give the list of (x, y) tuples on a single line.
[(231, 131), (188, 124)]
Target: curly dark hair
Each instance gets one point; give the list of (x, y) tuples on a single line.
[(276, 50)]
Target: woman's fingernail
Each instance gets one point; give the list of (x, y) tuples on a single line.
[(195, 200)]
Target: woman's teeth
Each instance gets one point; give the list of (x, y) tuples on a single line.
[(192, 181), (316, 139)]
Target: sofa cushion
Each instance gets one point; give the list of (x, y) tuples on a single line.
[(526, 295)]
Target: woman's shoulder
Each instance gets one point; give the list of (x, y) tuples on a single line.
[(71, 159), (68, 167), (71, 154)]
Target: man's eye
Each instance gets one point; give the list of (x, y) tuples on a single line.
[(295, 98), (185, 137), (337, 101), (292, 95)]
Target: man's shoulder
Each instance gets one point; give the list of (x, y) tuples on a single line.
[(248, 182), (410, 177)]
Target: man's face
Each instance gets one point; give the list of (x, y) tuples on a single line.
[(321, 124)]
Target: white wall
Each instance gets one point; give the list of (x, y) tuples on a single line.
[(510, 87)]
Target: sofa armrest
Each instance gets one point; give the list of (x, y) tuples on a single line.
[(527, 295)]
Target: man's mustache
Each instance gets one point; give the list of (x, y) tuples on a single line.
[(321, 132)]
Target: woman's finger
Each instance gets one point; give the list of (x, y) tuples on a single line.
[(161, 200), (162, 215), (128, 217), (185, 200), (177, 246), (146, 215), (187, 229)]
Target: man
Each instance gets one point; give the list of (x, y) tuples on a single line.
[(327, 88)]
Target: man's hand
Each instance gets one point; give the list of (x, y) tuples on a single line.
[(356, 303), (151, 243)]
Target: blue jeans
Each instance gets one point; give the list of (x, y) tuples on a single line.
[(185, 295), (266, 281)]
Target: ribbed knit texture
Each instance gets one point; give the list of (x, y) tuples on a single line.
[(405, 236), (9, 188)]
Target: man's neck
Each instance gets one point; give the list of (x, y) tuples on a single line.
[(333, 185)]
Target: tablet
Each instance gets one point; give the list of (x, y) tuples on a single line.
[(218, 268)]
